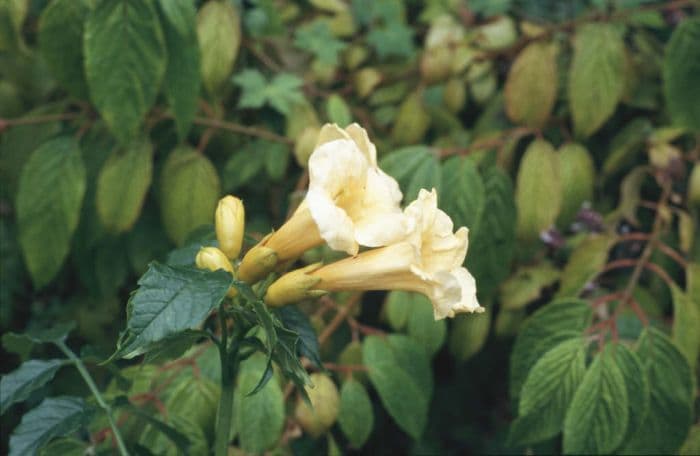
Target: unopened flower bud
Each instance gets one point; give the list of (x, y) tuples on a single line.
[(293, 287), (230, 222), (214, 259), (258, 262)]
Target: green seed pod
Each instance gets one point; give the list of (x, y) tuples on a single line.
[(412, 121), (436, 64), (325, 404), (577, 174), (219, 34), (468, 334), (366, 80), (455, 95)]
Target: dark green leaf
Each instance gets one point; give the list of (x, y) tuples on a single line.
[(297, 321), (125, 60), (681, 68), (686, 321), (276, 161), (61, 42), (585, 262), (169, 300), (31, 375), (51, 190), (555, 322), (356, 418), (635, 378), (463, 197), (55, 416), (67, 446), (182, 75), (598, 416), (548, 391)]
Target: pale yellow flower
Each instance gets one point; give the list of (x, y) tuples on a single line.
[(428, 261), (213, 259), (230, 225)]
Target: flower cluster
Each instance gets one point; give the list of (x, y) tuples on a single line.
[(352, 203)]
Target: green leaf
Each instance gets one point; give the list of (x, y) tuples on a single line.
[(282, 92), (182, 76), (686, 321), (356, 418), (463, 197), (197, 399), (61, 43), (627, 145), (557, 321), (297, 321), (596, 76), (316, 38), (394, 39), (219, 33), (401, 164), (637, 384), (66, 446), (338, 111), (692, 443), (598, 416), (671, 384), (585, 262), (531, 87), (402, 390), (122, 185), (577, 174), (539, 189), (527, 284), (681, 67), (414, 312), (492, 246), (125, 60), (469, 333), (31, 375), (243, 165), (50, 195), (548, 391), (258, 418), (189, 191), (276, 161), (169, 300), (54, 417), (179, 439)]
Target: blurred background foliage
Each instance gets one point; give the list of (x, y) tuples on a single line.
[(564, 134)]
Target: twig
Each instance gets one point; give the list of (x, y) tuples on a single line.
[(665, 248), (339, 318), (243, 129), (345, 367), (7, 123)]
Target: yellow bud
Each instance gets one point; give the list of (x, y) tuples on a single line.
[(230, 222), (293, 287), (214, 259), (258, 262)]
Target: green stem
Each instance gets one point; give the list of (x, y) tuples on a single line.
[(95, 392), (228, 378)]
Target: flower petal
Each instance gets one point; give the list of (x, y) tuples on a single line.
[(455, 293), (333, 223), (359, 135)]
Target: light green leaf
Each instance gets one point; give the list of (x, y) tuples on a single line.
[(189, 191), (125, 59), (182, 75), (55, 416), (692, 444), (548, 391), (356, 418), (197, 399), (463, 194), (276, 161), (394, 39), (539, 190), (469, 333), (402, 392), (414, 312), (670, 415), (681, 69), (686, 322), (596, 76), (557, 321), (598, 416), (122, 185), (577, 174), (61, 43), (50, 195), (219, 33), (527, 284), (316, 38), (31, 375), (169, 300), (338, 111), (585, 262), (282, 92), (637, 384)]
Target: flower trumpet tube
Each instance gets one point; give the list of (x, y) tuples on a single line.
[(428, 261), (350, 202), (214, 259), (230, 225)]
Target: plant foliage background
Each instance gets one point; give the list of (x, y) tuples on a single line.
[(564, 134)]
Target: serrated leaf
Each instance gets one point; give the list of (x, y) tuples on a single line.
[(182, 76), (219, 33), (402, 392), (637, 384), (671, 385), (55, 416), (50, 195), (282, 92), (61, 43), (195, 398), (401, 163), (539, 189), (31, 375), (596, 77), (585, 262), (297, 321), (598, 416), (531, 87), (124, 62), (356, 418), (316, 38), (189, 191), (557, 321), (394, 39), (469, 333), (258, 418), (122, 185), (527, 284), (463, 197), (548, 391), (681, 67), (686, 321), (169, 300)]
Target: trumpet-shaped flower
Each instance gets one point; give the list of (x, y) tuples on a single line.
[(350, 201), (428, 261)]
